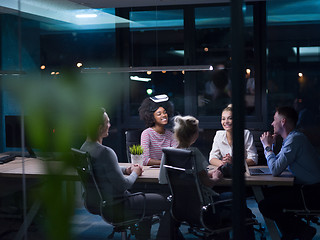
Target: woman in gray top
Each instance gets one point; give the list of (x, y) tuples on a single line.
[(116, 180)]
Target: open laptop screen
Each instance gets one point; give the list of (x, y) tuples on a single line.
[(256, 171)]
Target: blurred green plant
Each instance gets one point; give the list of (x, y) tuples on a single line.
[(136, 150), (64, 107)]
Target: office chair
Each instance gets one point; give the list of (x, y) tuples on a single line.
[(310, 211), (132, 138), (184, 184), (95, 203)]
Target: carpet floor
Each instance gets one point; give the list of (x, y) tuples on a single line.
[(91, 227)]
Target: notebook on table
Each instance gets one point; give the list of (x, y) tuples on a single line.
[(257, 171)]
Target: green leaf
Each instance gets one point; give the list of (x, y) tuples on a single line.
[(136, 150)]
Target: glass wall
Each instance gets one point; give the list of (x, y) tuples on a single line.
[(157, 39), (281, 59), (57, 65), (55, 47), (293, 57), (213, 46)]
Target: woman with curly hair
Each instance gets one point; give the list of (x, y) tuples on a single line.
[(155, 112)]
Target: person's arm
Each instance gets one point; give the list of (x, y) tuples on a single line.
[(250, 148), (278, 163), (153, 162), (124, 170), (250, 162), (114, 173), (210, 179), (145, 144), (132, 168), (215, 154), (216, 162)]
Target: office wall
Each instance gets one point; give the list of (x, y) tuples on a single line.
[(20, 53), (270, 44)]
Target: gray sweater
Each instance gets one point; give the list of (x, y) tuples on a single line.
[(109, 175)]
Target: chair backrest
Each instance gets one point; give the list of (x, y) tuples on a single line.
[(91, 195), (187, 199), (94, 201), (132, 138)]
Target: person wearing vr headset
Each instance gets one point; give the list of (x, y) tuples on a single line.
[(156, 112)]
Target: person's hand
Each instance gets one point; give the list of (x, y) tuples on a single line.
[(267, 139), (128, 170), (137, 169), (216, 175), (227, 159)]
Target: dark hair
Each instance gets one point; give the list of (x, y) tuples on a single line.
[(96, 119), (148, 107), (289, 113)]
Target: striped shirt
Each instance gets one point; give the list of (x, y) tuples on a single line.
[(153, 142)]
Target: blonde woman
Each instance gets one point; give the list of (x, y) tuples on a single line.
[(221, 152), (186, 131)]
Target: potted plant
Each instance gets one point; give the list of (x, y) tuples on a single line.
[(136, 152)]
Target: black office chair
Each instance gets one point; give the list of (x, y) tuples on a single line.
[(310, 210), (184, 184), (187, 197), (95, 203), (132, 138)]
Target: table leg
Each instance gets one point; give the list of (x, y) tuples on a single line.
[(272, 228), (28, 220)]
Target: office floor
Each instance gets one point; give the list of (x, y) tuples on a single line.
[(89, 227), (86, 226)]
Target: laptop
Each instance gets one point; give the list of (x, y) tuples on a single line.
[(257, 171)]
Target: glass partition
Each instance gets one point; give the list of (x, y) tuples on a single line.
[(46, 45), (292, 58), (157, 39), (213, 46)]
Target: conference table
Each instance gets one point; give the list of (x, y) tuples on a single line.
[(34, 168)]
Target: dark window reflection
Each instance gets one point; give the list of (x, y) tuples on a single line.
[(170, 83), (213, 47)]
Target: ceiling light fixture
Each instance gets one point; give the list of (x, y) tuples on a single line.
[(13, 73), (86, 15), (186, 68), (136, 78)]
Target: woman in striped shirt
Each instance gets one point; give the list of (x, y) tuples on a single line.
[(155, 113)]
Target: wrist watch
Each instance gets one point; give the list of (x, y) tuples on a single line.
[(268, 149)]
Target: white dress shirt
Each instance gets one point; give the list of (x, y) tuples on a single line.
[(221, 147)]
